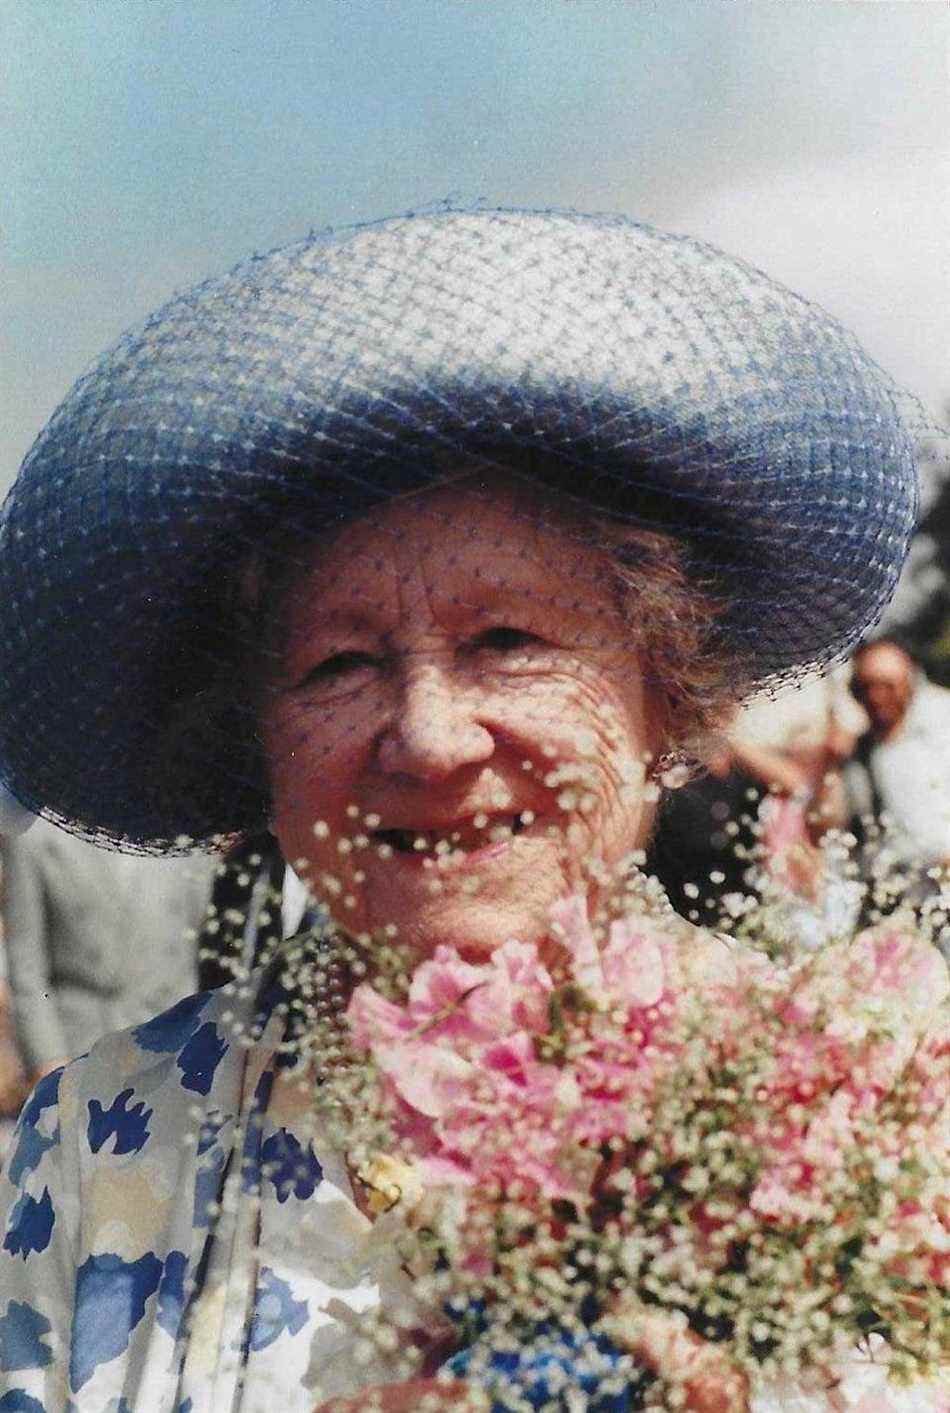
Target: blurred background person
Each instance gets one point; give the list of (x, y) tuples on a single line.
[(899, 775), (752, 827), (94, 941), (795, 745)]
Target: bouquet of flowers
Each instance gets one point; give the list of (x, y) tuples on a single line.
[(643, 1170)]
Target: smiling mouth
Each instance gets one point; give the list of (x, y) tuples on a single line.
[(464, 837)]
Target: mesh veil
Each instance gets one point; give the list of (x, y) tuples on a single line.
[(641, 379)]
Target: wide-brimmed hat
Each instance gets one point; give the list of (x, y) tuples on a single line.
[(648, 376)]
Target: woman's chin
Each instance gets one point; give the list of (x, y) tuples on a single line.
[(473, 909), (474, 927)]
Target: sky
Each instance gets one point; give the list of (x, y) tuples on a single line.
[(152, 142)]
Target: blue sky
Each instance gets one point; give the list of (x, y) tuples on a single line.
[(151, 142)]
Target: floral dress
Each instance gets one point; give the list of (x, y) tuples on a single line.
[(176, 1238)]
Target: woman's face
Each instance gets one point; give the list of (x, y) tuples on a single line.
[(454, 720)]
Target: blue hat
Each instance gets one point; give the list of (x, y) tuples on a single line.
[(644, 374)]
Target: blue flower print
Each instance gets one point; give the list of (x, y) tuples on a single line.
[(16, 1401), (129, 1126), (275, 1310), (110, 1301), (171, 1030), (30, 1225), (200, 1058), (21, 1339), (31, 1142), (293, 1170)]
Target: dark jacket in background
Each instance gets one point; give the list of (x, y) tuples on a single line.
[(692, 841)]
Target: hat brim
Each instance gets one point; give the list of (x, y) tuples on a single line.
[(647, 376)]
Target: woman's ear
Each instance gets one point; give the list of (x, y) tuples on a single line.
[(669, 766), (671, 770)]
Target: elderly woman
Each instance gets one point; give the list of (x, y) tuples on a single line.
[(432, 547)]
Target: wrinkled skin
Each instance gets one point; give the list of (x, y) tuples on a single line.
[(432, 662)]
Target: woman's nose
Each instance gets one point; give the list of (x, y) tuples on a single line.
[(434, 729)]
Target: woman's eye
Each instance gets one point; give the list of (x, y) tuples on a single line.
[(503, 640), (339, 665)]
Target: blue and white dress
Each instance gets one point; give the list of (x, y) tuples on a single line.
[(176, 1238)]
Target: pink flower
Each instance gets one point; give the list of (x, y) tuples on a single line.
[(516, 994), (890, 965), (374, 1021), (630, 969), (441, 989), (449, 997), (574, 930), (440, 1171), (635, 970), (460, 1065), (431, 1079), (514, 1058)]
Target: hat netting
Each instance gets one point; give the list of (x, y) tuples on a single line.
[(645, 378)]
